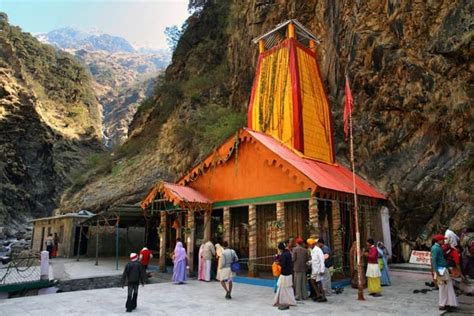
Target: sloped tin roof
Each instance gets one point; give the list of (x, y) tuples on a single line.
[(176, 194), (186, 194)]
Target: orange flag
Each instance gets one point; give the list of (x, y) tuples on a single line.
[(348, 107)]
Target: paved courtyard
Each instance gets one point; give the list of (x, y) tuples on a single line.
[(200, 298)]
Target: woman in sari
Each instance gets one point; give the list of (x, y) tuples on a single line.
[(383, 253), (373, 270), (180, 262), (201, 264)]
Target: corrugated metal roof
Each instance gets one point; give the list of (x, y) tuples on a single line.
[(186, 194), (332, 177), (303, 34), (176, 194)]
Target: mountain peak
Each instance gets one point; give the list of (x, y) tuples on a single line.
[(70, 38)]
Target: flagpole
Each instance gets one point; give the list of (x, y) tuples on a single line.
[(360, 286)]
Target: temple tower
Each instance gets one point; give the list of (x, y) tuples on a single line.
[(288, 99)]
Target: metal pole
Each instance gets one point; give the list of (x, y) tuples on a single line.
[(97, 243), (116, 245), (79, 243), (360, 287), (127, 249)]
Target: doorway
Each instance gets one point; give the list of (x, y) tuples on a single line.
[(84, 240)]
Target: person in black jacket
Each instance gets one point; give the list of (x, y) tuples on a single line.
[(285, 296), (133, 274)]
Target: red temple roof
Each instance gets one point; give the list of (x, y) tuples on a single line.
[(333, 177)]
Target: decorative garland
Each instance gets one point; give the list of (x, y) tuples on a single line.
[(278, 224)]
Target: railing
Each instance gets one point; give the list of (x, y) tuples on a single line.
[(23, 268)]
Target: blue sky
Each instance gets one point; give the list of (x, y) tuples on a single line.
[(141, 22)]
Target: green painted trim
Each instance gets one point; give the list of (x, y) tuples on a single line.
[(264, 199), (25, 286)]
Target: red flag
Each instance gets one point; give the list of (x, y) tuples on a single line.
[(348, 106)]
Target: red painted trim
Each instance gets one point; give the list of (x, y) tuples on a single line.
[(275, 48), (306, 49), (298, 141), (254, 89), (329, 109)]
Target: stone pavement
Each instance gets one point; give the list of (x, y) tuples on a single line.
[(200, 298), (67, 269)]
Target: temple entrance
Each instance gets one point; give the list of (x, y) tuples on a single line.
[(217, 225), (83, 246), (239, 235), (266, 236), (296, 218), (347, 233), (325, 222)]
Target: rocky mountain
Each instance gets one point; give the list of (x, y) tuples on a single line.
[(50, 122), (69, 38), (122, 76), (121, 82), (410, 64)]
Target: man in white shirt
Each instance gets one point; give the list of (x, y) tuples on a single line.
[(208, 253), (451, 237), (317, 270)]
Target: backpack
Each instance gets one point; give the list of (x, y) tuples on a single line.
[(448, 255)]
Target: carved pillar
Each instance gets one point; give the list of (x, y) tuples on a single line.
[(280, 214), (163, 232), (336, 224), (252, 239), (313, 217), (190, 240), (227, 227), (207, 225)]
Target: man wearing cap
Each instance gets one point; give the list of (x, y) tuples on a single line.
[(447, 296), (317, 270), (300, 258), (133, 274)]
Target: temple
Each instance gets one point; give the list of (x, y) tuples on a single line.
[(276, 178)]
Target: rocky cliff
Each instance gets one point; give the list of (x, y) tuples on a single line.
[(123, 77), (49, 122), (121, 82), (410, 67)]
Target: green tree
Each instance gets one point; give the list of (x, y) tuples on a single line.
[(173, 34)]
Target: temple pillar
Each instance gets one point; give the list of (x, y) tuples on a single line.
[(163, 231), (336, 224), (314, 217), (385, 220), (227, 228), (252, 240), (190, 239), (207, 225), (280, 216), (261, 46), (312, 45)]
